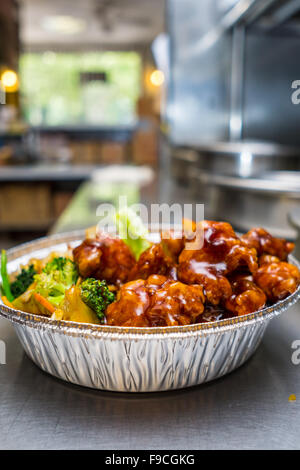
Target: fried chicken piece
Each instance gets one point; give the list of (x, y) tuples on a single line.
[(153, 261), (104, 258), (157, 301), (216, 287), (277, 280), (221, 253), (246, 297), (131, 305), (162, 258), (172, 243), (155, 282), (87, 257), (265, 243), (176, 303), (267, 259)]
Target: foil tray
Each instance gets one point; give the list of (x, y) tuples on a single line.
[(128, 359)]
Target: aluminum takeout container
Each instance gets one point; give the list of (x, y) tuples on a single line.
[(134, 359)]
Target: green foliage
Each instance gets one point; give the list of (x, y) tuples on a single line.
[(53, 95)]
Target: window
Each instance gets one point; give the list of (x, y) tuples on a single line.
[(91, 88)]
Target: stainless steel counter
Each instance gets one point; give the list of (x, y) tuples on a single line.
[(248, 409)]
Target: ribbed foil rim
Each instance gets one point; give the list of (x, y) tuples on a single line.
[(88, 330)]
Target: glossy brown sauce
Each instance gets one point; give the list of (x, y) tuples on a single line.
[(173, 284)]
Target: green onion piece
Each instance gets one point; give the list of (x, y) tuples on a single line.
[(5, 278)]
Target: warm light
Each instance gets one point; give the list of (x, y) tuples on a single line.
[(63, 24), (9, 80), (157, 78)]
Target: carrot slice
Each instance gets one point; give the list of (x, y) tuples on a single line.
[(44, 302)]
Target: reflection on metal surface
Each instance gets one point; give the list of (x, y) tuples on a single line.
[(134, 359), (283, 13), (236, 85), (222, 83), (268, 112), (250, 202), (246, 164), (264, 184), (294, 220), (249, 184), (231, 158), (238, 12)]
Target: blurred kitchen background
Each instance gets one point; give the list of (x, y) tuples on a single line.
[(159, 100)]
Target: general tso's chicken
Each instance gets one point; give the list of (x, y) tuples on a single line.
[(277, 280), (265, 243), (153, 261), (213, 313), (176, 303), (172, 243), (162, 258), (131, 305), (157, 301), (267, 259), (104, 258), (222, 252), (246, 297), (240, 275)]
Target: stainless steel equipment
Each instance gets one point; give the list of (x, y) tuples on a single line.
[(294, 220), (242, 159), (247, 202), (233, 71), (248, 184), (134, 359), (233, 108)]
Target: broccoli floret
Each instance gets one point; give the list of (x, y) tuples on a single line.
[(57, 276), (65, 266), (96, 295), (23, 281)]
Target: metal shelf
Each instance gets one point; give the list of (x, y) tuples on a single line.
[(46, 172)]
